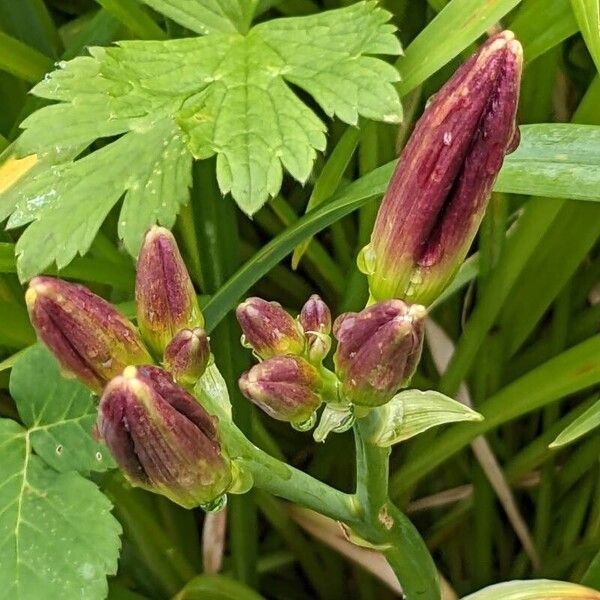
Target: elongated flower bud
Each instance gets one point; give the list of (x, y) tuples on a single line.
[(315, 318), (165, 297), (286, 387), (162, 439), (90, 338), (186, 355), (439, 192), (378, 350), (269, 329)]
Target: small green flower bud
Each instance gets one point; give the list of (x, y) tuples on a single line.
[(269, 329), (162, 439), (286, 387), (315, 318), (164, 293), (440, 189), (90, 338), (378, 350), (186, 355)]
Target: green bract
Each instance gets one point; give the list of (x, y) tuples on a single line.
[(226, 94)]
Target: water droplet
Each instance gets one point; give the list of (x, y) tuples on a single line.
[(98, 456), (59, 449), (447, 138), (216, 505), (306, 425)]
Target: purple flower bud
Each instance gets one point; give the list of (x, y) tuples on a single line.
[(378, 350), (315, 318), (269, 329), (162, 439), (186, 355), (439, 192), (286, 387), (90, 338), (165, 297)]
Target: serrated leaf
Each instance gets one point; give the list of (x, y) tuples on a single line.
[(57, 536), (59, 414), (585, 423), (207, 16), (229, 93), (535, 589), (69, 202), (412, 412)]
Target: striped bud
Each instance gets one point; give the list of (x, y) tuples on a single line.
[(186, 355), (439, 191), (315, 319), (162, 439), (164, 294), (90, 338), (378, 350)]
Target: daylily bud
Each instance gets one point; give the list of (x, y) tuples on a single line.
[(90, 338), (269, 329), (165, 297), (315, 319), (378, 350), (286, 387), (439, 192), (162, 439), (186, 355)]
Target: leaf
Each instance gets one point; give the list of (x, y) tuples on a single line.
[(412, 412), (558, 160), (582, 425), (208, 16), (216, 587), (587, 13), (59, 414), (536, 589), (225, 93), (459, 24), (69, 202), (59, 539)]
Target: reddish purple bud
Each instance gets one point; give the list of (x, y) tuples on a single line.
[(315, 318), (378, 350), (186, 355), (90, 338), (439, 192), (286, 387), (165, 297), (162, 439), (269, 329)]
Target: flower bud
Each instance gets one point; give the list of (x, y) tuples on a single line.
[(315, 318), (165, 297), (162, 439), (439, 191), (286, 387), (186, 355), (90, 338), (378, 350), (269, 329)]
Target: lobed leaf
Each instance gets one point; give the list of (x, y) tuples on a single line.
[(58, 538), (536, 589), (59, 414), (225, 93)]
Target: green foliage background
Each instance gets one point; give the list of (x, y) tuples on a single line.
[(522, 315)]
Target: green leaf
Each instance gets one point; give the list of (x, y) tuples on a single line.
[(216, 587), (59, 414), (558, 160), (22, 60), (134, 17), (587, 13), (589, 420), (208, 16), (229, 94), (59, 539), (459, 24), (69, 202), (536, 589), (412, 412)]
